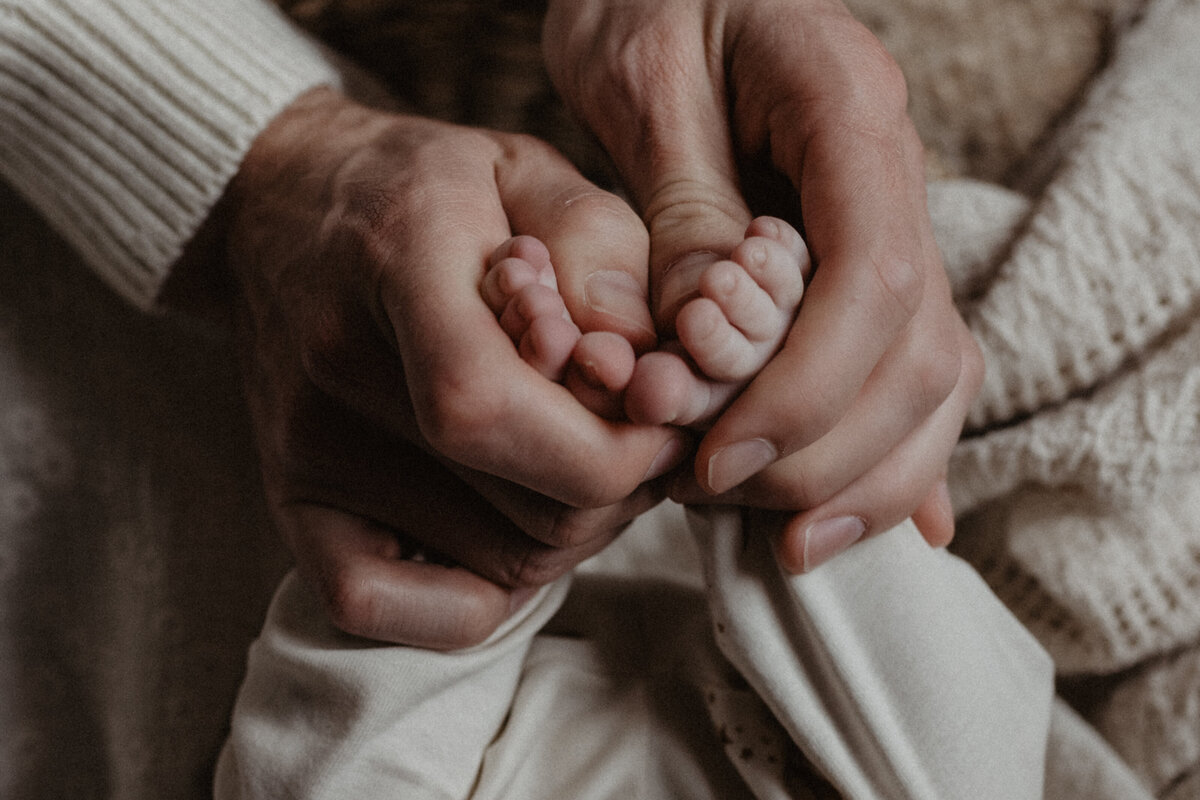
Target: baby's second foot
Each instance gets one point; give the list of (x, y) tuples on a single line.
[(520, 288), (744, 310)]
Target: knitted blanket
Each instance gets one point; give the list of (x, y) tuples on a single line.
[(1079, 477), (135, 559)]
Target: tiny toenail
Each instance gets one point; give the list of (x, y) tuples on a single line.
[(759, 254)]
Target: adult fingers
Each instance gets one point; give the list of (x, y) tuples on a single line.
[(505, 533), (476, 402), (370, 589), (882, 498), (934, 517), (655, 97), (908, 385), (878, 281), (908, 472)]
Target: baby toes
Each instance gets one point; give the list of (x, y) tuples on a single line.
[(598, 372), (776, 257), (664, 389), (537, 321), (721, 351), (512, 266), (547, 345), (504, 280)]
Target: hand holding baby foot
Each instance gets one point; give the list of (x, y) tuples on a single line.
[(378, 379), (728, 324), (852, 422)]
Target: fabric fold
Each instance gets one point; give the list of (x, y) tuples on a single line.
[(894, 668)]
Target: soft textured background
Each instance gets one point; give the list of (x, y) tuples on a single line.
[(135, 559)]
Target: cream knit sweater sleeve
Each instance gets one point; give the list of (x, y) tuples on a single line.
[(122, 121)]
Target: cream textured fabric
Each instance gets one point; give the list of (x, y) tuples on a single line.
[(133, 549), (893, 667), (1081, 478), (122, 121)]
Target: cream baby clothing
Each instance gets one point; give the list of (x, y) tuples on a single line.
[(893, 668)]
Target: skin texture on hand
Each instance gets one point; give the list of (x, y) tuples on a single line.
[(391, 410), (853, 420)]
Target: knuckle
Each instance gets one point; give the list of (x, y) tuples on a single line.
[(457, 417), (885, 75), (366, 206), (902, 282), (601, 213), (936, 374), (646, 58), (875, 85), (682, 205)]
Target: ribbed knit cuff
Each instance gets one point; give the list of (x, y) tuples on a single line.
[(122, 121)]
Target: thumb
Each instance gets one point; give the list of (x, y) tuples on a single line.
[(664, 121), (695, 215), (687, 188), (935, 516)]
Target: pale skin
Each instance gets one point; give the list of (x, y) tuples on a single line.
[(357, 240), (728, 327)]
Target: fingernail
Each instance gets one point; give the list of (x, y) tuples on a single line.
[(667, 459), (825, 539), (619, 294), (734, 463)]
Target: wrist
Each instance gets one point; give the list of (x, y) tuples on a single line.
[(202, 282)]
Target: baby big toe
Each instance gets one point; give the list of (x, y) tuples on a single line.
[(744, 304), (778, 271)]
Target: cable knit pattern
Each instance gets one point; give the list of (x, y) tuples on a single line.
[(1110, 260), (1121, 444), (122, 121), (1101, 589), (1154, 717), (1080, 476)]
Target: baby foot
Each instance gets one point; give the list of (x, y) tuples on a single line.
[(520, 288), (744, 310)]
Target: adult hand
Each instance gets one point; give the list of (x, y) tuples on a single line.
[(391, 409), (854, 419)]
